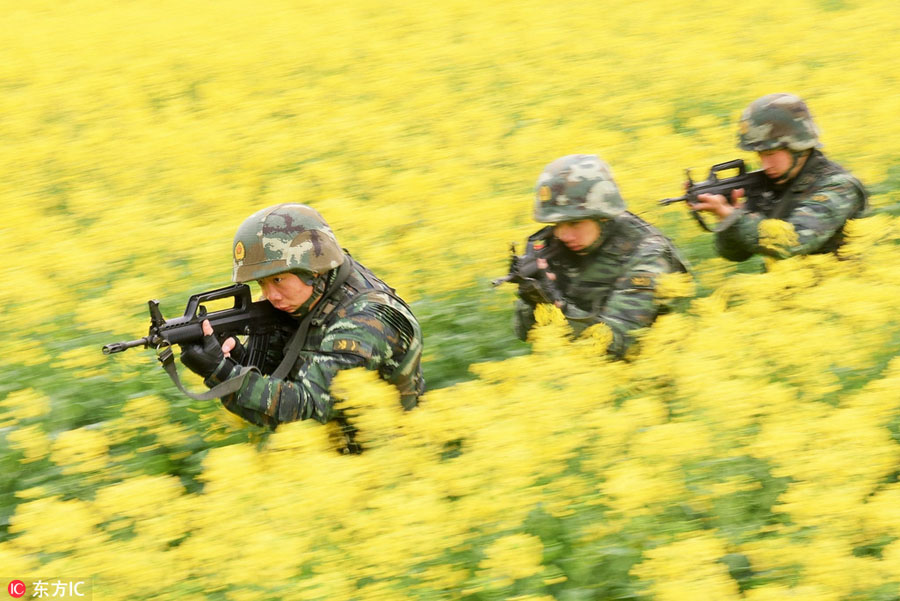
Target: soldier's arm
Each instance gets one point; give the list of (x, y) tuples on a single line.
[(819, 214), (631, 305), (361, 339), (737, 234), (523, 317)]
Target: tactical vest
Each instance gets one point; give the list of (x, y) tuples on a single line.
[(407, 375), (587, 280), (816, 167)]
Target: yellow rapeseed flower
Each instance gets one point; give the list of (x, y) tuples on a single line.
[(511, 558), (688, 569), (674, 285), (80, 451), (777, 236), (31, 440), (597, 337), (138, 497), (50, 524), (25, 404), (353, 120), (371, 404)]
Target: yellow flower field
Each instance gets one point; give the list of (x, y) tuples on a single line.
[(750, 450)]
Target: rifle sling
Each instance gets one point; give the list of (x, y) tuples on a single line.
[(229, 386), (292, 351)]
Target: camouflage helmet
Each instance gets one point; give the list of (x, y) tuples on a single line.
[(285, 237), (575, 187), (777, 121)]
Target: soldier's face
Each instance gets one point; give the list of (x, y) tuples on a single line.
[(776, 163), (577, 235), (286, 291)]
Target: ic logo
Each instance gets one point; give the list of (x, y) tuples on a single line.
[(16, 589)]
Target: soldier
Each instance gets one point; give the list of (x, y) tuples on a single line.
[(343, 316), (601, 262), (811, 197)]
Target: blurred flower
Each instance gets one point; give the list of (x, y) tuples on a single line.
[(25, 404), (31, 440), (80, 451), (598, 337), (511, 558), (688, 569), (132, 158), (674, 285), (51, 523), (777, 236)]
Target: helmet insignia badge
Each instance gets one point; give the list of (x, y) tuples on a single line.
[(545, 193)]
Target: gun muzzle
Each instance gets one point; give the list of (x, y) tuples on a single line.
[(668, 201), (118, 347)]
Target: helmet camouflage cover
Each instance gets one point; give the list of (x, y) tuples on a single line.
[(284, 237), (777, 121), (575, 187)]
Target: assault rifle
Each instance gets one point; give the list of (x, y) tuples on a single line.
[(255, 319), (754, 183), (524, 270)]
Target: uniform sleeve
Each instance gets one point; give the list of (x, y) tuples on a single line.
[(632, 305), (364, 338), (819, 214)]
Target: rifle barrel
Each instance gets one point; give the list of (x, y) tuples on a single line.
[(118, 347)]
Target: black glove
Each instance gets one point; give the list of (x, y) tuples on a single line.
[(238, 352), (205, 358)]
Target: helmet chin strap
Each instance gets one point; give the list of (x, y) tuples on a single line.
[(319, 284), (796, 155), (604, 230)]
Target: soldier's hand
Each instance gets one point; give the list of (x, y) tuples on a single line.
[(542, 264), (736, 195), (207, 357), (713, 203), (234, 349)]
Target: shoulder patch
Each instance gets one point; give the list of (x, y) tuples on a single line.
[(644, 280), (352, 347), (820, 197)]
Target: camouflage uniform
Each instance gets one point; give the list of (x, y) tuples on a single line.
[(614, 280), (816, 203), (355, 320)]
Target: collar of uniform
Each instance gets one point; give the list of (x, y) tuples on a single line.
[(807, 175), (620, 237), (320, 285)]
